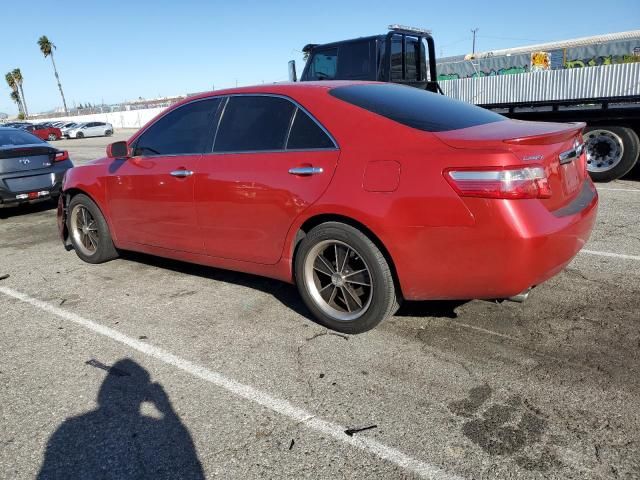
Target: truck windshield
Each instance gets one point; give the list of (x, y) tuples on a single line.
[(324, 64), (415, 108)]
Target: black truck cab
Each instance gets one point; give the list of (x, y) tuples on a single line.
[(404, 55)]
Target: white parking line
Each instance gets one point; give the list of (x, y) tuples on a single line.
[(610, 254), (283, 407)]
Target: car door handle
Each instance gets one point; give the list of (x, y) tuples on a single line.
[(305, 170), (181, 173)]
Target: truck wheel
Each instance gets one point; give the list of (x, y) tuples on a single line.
[(611, 151)]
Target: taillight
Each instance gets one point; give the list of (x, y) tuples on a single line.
[(509, 182), (61, 156)]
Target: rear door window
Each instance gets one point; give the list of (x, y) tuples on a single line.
[(252, 123), (414, 107), (186, 130), (307, 134)]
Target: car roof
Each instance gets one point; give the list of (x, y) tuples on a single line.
[(281, 88)]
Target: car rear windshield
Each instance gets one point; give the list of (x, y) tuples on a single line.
[(12, 136), (414, 107)]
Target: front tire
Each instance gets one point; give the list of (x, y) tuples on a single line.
[(344, 279), (611, 151), (89, 232), (108, 133), (79, 135), (52, 137)]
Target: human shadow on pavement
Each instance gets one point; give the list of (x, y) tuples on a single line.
[(116, 441)]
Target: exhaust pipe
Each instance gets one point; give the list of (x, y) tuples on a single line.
[(521, 297)]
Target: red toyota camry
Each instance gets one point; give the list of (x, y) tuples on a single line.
[(363, 194)]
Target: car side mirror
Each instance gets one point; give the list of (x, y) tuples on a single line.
[(118, 150), (293, 76)]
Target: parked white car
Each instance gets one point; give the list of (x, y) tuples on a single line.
[(90, 129), (66, 127)]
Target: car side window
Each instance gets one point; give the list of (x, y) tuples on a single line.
[(307, 134), (254, 123), (185, 130)]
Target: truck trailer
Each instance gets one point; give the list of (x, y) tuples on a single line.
[(595, 80)]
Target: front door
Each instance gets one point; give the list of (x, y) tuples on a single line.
[(151, 194), (270, 161)]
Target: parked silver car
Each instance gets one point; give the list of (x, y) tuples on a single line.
[(90, 129), (66, 127)]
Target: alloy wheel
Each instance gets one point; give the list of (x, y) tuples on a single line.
[(338, 279), (84, 230)]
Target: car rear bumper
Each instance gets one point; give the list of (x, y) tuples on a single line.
[(512, 246), (32, 187)]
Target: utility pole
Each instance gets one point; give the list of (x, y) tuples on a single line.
[(474, 31)]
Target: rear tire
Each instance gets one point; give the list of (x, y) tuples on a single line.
[(344, 278), (89, 232), (611, 151), (108, 133)]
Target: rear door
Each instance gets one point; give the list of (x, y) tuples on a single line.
[(270, 161), (90, 129), (98, 129), (150, 196), (38, 132)]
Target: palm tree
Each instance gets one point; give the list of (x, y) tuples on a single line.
[(47, 48), (18, 78), (15, 94)]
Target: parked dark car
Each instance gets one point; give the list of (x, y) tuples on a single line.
[(31, 170)]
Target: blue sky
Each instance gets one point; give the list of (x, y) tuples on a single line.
[(117, 50)]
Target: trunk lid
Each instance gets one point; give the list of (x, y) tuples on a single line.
[(555, 146), (25, 158)]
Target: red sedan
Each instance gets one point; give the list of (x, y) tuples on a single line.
[(44, 132), (363, 194)]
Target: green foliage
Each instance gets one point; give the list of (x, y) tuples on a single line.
[(10, 81), (46, 46), (17, 76)]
